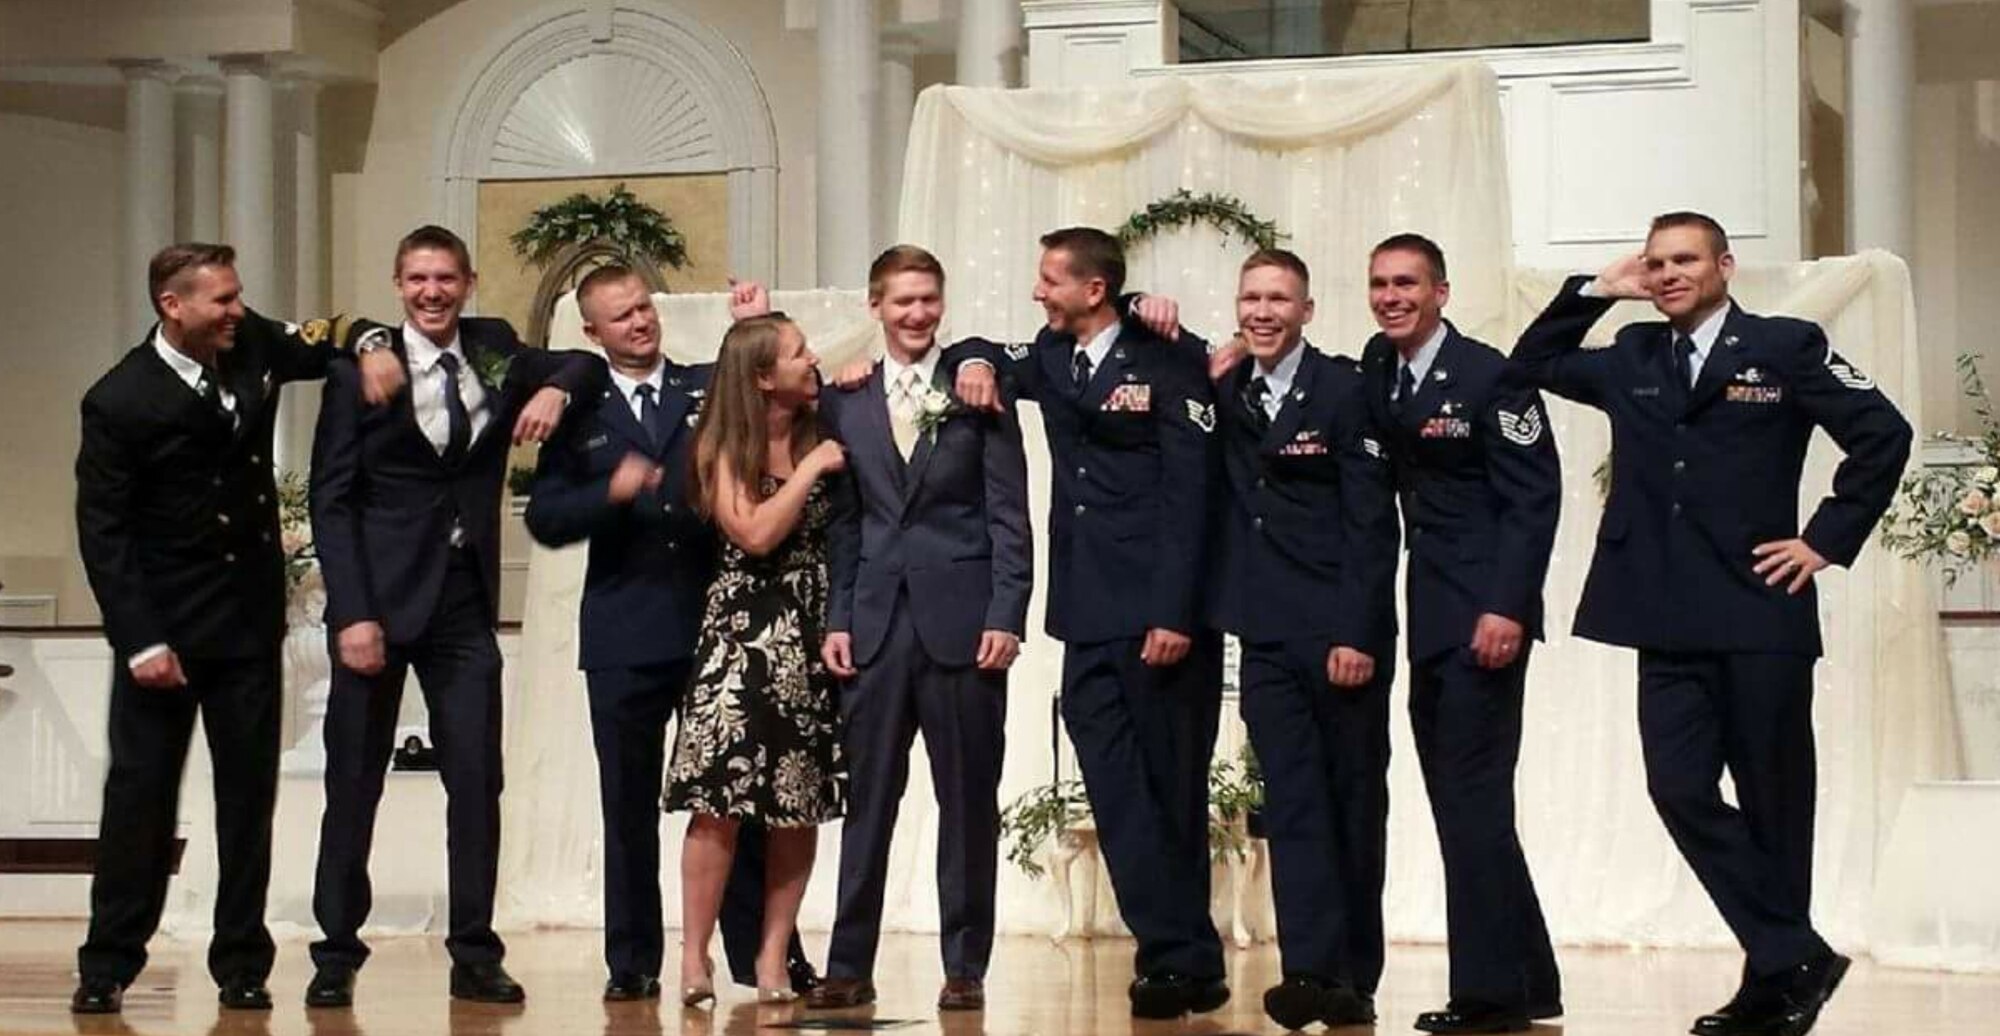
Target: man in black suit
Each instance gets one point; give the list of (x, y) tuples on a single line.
[(616, 473), (931, 570), (177, 521), (1702, 567), (1129, 420), (1304, 574), (1481, 486), (406, 518)]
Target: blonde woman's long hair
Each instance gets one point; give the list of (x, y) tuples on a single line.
[(734, 426)]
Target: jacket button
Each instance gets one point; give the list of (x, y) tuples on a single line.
[(1680, 466), (264, 536), (1677, 509), (1257, 522), (1260, 483), (262, 499), (666, 508), (229, 557), (223, 518), (1079, 508), (254, 459), (1081, 472), (673, 545)]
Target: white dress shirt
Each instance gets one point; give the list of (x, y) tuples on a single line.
[(427, 388), (1704, 337), (1099, 347), (1279, 379), (1420, 364), (189, 369), (892, 372)]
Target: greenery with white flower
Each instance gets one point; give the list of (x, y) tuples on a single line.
[(1949, 516), (933, 409), (295, 534)]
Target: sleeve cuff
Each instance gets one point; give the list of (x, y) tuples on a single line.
[(145, 655), (1590, 289)]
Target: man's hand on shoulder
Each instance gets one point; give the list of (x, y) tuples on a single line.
[(1160, 315), (381, 376), (977, 386)]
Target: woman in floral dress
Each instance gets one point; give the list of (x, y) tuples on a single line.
[(758, 738)]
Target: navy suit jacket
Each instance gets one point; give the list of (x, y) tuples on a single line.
[(1481, 486), (176, 511), (1307, 539), (650, 559), (383, 500), (1700, 478), (948, 527), (1133, 458)]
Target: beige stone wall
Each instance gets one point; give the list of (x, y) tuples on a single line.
[(698, 206)]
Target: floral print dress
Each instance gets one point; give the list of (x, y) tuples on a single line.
[(759, 734)]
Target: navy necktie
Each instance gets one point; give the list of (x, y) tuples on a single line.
[(1079, 370), (1406, 388), (1684, 362), (649, 414), (1255, 396), (458, 433)]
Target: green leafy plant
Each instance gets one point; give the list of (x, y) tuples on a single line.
[(295, 533), (1184, 208), (521, 480), (1949, 516), (1041, 814), (620, 217)]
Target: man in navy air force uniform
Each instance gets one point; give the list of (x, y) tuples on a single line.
[(1702, 567), (616, 473), (1480, 482), (1130, 422), (1303, 573)]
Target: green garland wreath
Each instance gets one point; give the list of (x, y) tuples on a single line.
[(1225, 212), (620, 217)]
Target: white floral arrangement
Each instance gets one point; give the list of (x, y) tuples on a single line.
[(932, 411), (1949, 516)]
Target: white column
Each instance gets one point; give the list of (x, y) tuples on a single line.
[(899, 99), (149, 181), (198, 179), (845, 170), (300, 410), (1881, 84), (989, 43), (248, 175)]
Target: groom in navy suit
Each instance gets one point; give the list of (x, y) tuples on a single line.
[(931, 568)]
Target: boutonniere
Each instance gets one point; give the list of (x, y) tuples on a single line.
[(492, 368), (932, 410)]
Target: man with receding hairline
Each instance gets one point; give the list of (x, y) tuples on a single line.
[(1702, 567), (177, 522)]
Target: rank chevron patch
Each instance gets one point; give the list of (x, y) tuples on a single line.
[(1522, 429), (1203, 415), (1845, 373)]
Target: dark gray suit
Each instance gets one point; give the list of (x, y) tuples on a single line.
[(926, 554)]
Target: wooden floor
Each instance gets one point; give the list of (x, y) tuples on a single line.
[(1035, 988)]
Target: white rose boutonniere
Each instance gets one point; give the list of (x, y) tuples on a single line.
[(933, 409)]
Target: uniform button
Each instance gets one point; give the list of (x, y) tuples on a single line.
[(1677, 510), (254, 459), (673, 545), (262, 499), (1680, 466), (667, 508), (265, 536), (1081, 472), (223, 518), (1260, 483), (1257, 523), (229, 557), (1079, 508)]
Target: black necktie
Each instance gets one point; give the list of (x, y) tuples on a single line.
[(458, 433), (1406, 388), (1254, 397), (649, 414), (211, 393), (1684, 362), (1079, 370)]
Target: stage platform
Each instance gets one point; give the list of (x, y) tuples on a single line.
[(1035, 987)]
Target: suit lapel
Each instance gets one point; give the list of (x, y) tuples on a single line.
[(496, 395), (674, 405), (879, 438), (616, 413)]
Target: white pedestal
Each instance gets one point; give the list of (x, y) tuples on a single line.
[(1934, 902)]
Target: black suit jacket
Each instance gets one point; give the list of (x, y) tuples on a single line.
[(1133, 458), (1307, 540), (948, 527), (1481, 487), (383, 500), (176, 513), (1699, 478), (651, 559)]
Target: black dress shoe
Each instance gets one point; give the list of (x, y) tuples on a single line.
[(1207, 994), (1298, 1001), (1804, 989), (486, 984), (1170, 994), (1542, 1010), (97, 996), (331, 986), (1348, 1006), (804, 978), (244, 994), (1468, 1016), (630, 985)]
